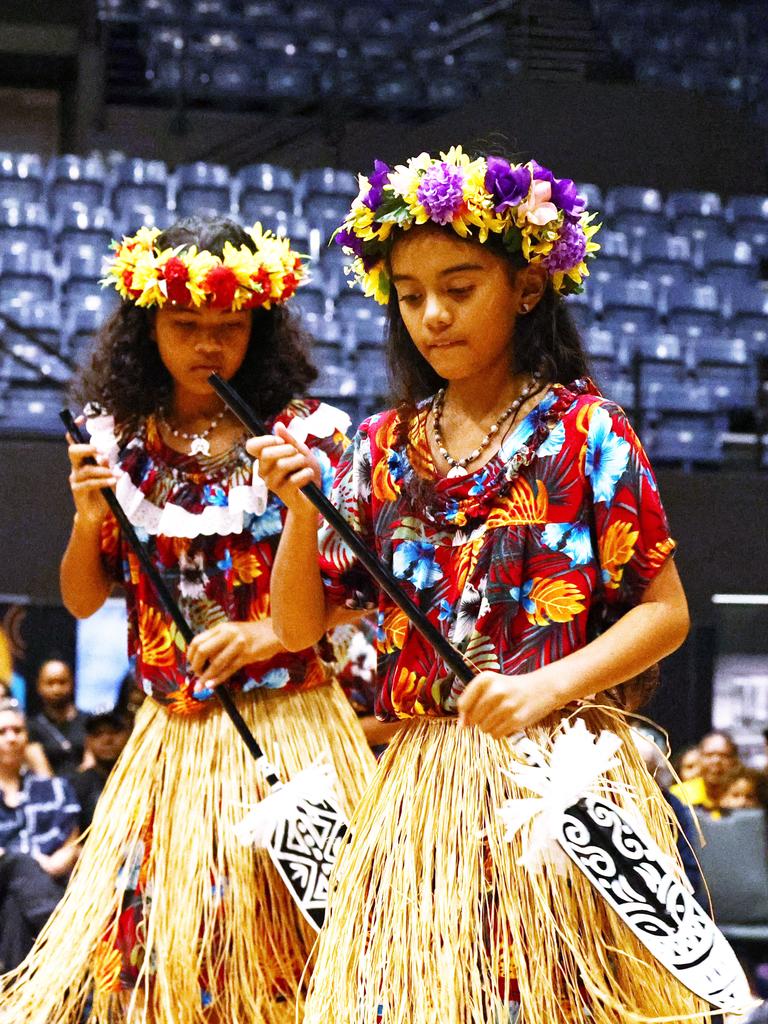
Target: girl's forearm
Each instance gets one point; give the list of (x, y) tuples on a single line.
[(299, 615), (85, 585), (646, 634)]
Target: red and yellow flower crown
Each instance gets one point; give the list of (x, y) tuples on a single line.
[(240, 278)]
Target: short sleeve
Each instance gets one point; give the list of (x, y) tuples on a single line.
[(346, 581), (632, 532)]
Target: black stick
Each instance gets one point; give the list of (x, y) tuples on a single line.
[(380, 573), (161, 587)]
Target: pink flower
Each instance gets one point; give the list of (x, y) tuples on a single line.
[(538, 209)]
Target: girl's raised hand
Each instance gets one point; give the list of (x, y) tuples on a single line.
[(86, 480), (503, 705), (286, 465)]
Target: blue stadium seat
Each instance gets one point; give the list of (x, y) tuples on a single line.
[(371, 371), (581, 307), (380, 48), (141, 216), (360, 315), (325, 213), (690, 440), (88, 295), (202, 189), (267, 188), (30, 335), (616, 244), (708, 351), (304, 237), (731, 387), (21, 177), (600, 343), (334, 382), (697, 214), (446, 90), (401, 90), (593, 195), (27, 276), (361, 20), (24, 223), (30, 411), (618, 387), (83, 263), (665, 387), (633, 298), (696, 305), (330, 276), (742, 210), (660, 248), (727, 252), (78, 225), (633, 207), (75, 179), (312, 304), (749, 313), (661, 347), (608, 267), (138, 183), (666, 279), (290, 79), (313, 16), (326, 181)]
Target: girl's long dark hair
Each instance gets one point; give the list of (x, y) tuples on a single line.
[(545, 340), (127, 378)]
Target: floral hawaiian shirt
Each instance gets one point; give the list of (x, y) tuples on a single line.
[(212, 530), (519, 563)]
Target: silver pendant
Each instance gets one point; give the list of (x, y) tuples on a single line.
[(200, 446), (456, 471)]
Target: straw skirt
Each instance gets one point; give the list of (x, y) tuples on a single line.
[(434, 921), (167, 918)]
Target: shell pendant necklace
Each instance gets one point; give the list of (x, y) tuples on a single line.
[(198, 442)]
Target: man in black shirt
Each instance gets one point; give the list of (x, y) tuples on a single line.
[(107, 733), (59, 727)]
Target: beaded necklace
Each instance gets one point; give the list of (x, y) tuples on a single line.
[(458, 466)]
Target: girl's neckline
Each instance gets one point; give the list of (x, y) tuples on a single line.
[(420, 444), (158, 445)]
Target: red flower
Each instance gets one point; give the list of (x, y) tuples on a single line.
[(290, 283), (128, 282), (221, 283), (176, 275), (261, 286)]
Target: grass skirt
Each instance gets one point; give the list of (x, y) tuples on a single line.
[(215, 914), (434, 921)]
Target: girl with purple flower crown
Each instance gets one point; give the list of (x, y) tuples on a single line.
[(517, 507)]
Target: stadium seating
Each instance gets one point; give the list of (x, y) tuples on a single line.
[(673, 315)]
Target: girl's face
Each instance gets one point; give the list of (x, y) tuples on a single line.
[(740, 793), (690, 763), (459, 301), (194, 343)]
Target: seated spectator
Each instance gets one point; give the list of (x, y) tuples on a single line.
[(130, 696), (38, 840), (60, 727), (743, 790), (719, 762), (687, 763), (106, 734), (34, 755)]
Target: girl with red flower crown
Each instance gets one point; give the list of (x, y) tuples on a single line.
[(169, 918), (517, 508)]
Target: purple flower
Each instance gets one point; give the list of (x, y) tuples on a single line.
[(441, 192), (570, 248), (509, 186), (377, 180), (349, 240), (565, 195)]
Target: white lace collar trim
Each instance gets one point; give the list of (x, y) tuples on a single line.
[(171, 520)]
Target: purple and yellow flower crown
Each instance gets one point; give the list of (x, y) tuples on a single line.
[(539, 216), (186, 276)]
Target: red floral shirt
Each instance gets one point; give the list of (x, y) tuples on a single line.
[(519, 563), (219, 568)]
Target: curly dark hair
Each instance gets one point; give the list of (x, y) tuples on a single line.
[(126, 376), (545, 340)]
